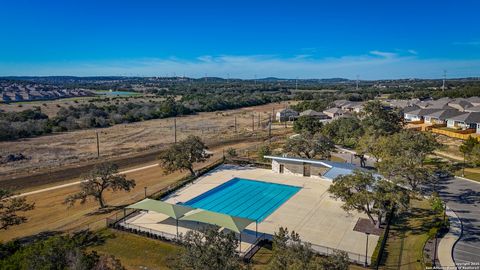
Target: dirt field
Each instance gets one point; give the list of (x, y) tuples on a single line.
[(51, 215), (48, 153)]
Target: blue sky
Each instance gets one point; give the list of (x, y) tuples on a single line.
[(243, 39)]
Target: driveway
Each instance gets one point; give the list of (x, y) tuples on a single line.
[(463, 197)]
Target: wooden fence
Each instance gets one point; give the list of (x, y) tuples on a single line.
[(461, 134)]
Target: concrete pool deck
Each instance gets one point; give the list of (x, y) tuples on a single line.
[(311, 212)]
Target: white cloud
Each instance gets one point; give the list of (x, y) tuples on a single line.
[(414, 52), (384, 54), (374, 65)]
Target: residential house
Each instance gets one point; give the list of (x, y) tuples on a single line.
[(412, 114), (352, 106), (469, 120), (460, 104), (334, 112), (314, 114), (439, 117), (286, 115)]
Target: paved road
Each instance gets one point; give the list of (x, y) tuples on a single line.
[(463, 196)]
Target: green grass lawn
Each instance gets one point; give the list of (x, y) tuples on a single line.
[(137, 252), (408, 235)]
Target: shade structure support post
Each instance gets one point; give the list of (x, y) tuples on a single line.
[(177, 227), (240, 245), (256, 228)]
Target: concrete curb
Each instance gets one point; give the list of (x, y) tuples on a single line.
[(463, 178), (447, 243)]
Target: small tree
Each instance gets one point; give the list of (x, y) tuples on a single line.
[(306, 124), (310, 146), (264, 150), (102, 177), (369, 144), (9, 208), (403, 155), (289, 252), (363, 192), (232, 152), (183, 155), (378, 121), (469, 148), (208, 249)]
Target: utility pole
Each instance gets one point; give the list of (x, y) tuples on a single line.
[(255, 79), (235, 124), (444, 78), (175, 129), (98, 145), (253, 122), (357, 84), (269, 127)]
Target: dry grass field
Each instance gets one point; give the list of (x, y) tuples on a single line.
[(59, 150), (50, 214)]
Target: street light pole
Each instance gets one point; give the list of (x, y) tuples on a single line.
[(366, 250), (463, 169), (435, 252)]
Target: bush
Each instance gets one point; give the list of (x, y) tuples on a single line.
[(264, 150)]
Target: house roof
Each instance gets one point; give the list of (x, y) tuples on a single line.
[(471, 117), (461, 102), (311, 113), (443, 114), (341, 102), (334, 110), (473, 109), (474, 99), (410, 109), (288, 110)]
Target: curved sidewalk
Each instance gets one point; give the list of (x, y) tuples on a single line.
[(445, 247)]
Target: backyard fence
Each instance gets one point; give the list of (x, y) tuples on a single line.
[(461, 134)]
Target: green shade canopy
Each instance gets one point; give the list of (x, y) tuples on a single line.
[(235, 224), (175, 211)]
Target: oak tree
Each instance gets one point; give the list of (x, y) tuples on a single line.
[(102, 177)]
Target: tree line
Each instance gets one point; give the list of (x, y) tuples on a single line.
[(32, 122)]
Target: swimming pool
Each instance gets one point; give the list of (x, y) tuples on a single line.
[(244, 198)]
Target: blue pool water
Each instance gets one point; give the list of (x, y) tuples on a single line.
[(244, 198)]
